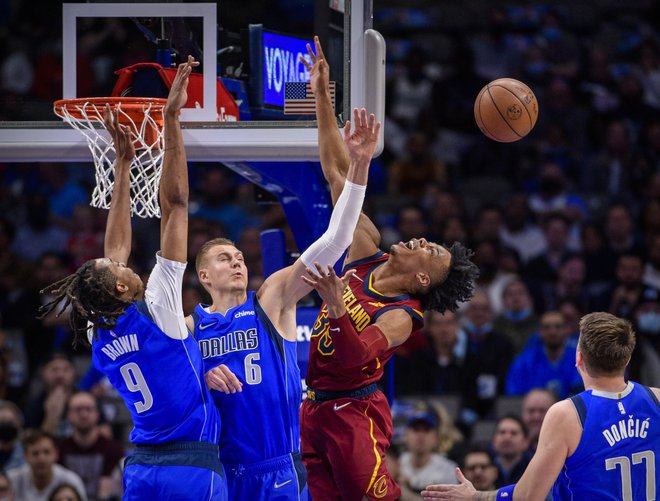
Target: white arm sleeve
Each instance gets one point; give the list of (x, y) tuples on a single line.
[(163, 297), (339, 235)]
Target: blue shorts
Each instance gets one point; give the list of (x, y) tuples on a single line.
[(179, 471), (278, 479)]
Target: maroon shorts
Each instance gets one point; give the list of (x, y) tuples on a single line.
[(343, 448)]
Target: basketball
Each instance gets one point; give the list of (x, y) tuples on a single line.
[(506, 110)]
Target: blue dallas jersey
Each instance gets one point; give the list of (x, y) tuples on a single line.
[(161, 380), (616, 456), (262, 421)]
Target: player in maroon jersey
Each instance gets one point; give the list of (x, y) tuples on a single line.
[(346, 422)]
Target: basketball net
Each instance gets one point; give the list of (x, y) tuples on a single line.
[(144, 117)]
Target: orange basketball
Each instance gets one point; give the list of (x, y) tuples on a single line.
[(506, 110)]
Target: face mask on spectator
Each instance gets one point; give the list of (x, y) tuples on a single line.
[(8, 432), (649, 322), (517, 316)]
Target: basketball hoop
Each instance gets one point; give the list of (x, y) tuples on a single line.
[(144, 117)]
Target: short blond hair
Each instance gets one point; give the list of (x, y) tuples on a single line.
[(204, 250), (606, 343)]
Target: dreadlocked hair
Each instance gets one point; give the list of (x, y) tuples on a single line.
[(458, 286), (90, 292)]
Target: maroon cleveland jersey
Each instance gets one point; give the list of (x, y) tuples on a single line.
[(364, 305)]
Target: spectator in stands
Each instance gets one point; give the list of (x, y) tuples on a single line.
[(479, 468), (409, 176), (644, 365), (548, 364), (652, 268), (63, 192), (596, 256), (215, 204), (517, 320), (622, 297), (65, 492), (544, 268), (422, 461), (509, 444), (519, 231), (37, 479), (570, 285), (492, 279), (37, 236), (88, 452), (553, 197), (620, 233), (11, 426), (6, 491), (572, 315), (446, 370), (491, 352), (47, 410), (534, 407)]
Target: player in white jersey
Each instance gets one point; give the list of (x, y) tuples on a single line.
[(598, 445)]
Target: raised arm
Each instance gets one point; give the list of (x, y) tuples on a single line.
[(333, 152), (283, 289), (174, 180), (117, 242)]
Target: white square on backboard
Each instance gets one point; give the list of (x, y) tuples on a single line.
[(207, 11)]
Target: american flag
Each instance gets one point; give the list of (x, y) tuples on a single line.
[(299, 99)]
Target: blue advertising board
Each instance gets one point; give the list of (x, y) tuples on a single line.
[(281, 63)]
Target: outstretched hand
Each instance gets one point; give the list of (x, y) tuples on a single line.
[(121, 134), (361, 143), (329, 286), (319, 70), (464, 490), (179, 90)]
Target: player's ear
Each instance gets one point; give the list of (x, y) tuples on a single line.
[(121, 287), (423, 279), (203, 276)]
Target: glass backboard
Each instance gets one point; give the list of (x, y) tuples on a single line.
[(248, 51)]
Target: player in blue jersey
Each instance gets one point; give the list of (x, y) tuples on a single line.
[(139, 338), (248, 339), (598, 445)]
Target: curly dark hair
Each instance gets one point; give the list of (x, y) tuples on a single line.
[(90, 292), (458, 286)]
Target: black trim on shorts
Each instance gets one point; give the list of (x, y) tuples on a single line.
[(197, 454), (324, 396)]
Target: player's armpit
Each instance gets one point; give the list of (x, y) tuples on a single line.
[(366, 240)]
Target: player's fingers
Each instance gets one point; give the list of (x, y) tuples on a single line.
[(215, 383), (305, 62), (319, 49), (331, 271), (347, 130), (356, 117), (460, 477), (312, 274), (312, 56), (230, 379), (347, 276), (363, 117), (319, 269), (309, 282), (377, 129), (372, 122)]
